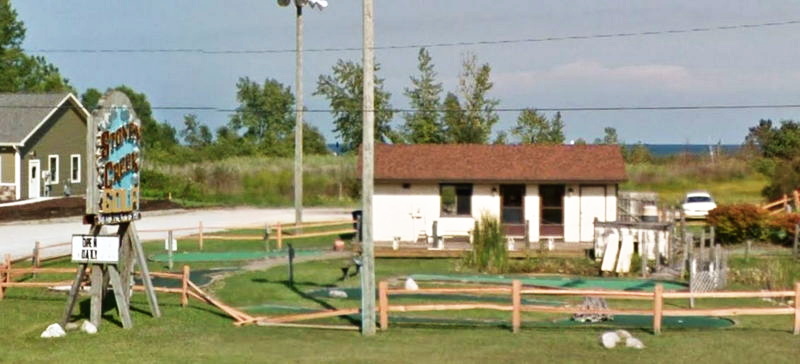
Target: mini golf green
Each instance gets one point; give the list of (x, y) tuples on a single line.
[(621, 284), (231, 256), (200, 277), (355, 294)]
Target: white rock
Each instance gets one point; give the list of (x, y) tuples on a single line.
[(623, 334), (88, 328), (54, 330), (633, 342), (609, 339), (72, 326), (411, 285), (336, 293)]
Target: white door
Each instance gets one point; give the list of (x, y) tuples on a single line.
[(593, 205), (34, 182)]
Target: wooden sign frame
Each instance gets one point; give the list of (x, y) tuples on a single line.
[(98, 215)]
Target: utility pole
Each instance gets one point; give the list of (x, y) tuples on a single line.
[(298, 127), (367, 143)]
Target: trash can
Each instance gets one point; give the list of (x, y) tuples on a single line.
[(650, 213)]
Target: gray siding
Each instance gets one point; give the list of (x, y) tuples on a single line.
[(64, 134), (6, 165)]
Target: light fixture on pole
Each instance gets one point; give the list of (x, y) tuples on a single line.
[(298, 89)]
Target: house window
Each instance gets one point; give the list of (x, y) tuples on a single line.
[(52, 167), (75, 168), (552, 204), (456, 199)]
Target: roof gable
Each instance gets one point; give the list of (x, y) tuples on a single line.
[(497, 163), (22, 114)]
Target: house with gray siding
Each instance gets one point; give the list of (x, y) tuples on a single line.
[(42, 146)]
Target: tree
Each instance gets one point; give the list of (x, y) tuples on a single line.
[(535, 128), (265, 114), (156, 136), (423, 124), (313, 141), (452, 118), (20, 72), (478, 112), (195, 134), (90, 98), (344, 91), (609, 136), (782, 142)]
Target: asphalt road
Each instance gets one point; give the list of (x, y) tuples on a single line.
[(18, 238)]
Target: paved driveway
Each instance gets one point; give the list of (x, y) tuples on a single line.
[(19, 238)]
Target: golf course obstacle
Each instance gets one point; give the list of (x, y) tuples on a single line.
[(516, 307)]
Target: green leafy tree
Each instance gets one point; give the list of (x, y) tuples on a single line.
[(344, 91), (90, 98), (478, 109), (452, 118), (194, 133), (501, 138), (313, 141), (156, 136), (637, 153), (534, 127), (20, 72), (776, 142), (265, 116), (610, 136), (423, 125)]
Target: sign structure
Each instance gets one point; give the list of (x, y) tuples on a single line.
[(113, 198), (113, 142), (95, 249)]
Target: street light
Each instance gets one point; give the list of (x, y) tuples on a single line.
[(298, 89)]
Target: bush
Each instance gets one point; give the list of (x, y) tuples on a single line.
[(781, 228), (739, 222), (489, 252)]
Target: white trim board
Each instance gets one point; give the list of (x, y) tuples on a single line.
[(72, 166)]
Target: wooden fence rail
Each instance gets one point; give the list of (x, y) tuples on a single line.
[(658, 296)]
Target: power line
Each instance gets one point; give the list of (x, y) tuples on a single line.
[(415, 46), (511, 109)]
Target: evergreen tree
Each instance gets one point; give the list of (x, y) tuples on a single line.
[(344, 91), (423, 124), (535, 128)]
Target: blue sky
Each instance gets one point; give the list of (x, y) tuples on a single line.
[(744, 66)]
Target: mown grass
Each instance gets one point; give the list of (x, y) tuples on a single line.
[(200, 333)]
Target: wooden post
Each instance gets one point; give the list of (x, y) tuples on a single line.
[(35, 260), (279, 236), (383, 304), (5, 276), (516, 302), (185, 286), (703, 245), (200, 235), (435, 231), (748, 243), (796, 308), (658, 306), (796, 197), (169, 248), (785, 202), (528, 235), (796, 236), (713, 236)]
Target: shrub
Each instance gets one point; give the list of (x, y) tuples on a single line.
[(738, 222), (781, 228), (489, 252)]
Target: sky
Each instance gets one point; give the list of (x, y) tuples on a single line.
[(752, 65)]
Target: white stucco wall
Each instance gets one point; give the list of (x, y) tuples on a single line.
[(611, 203), (572, 209), (532, 210), (404, 212)]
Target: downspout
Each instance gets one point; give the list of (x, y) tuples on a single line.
[(17, 173)]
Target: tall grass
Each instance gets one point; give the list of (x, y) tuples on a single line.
[(489, 251), (327, 180), (731, 179)]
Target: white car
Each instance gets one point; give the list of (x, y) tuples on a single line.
[(697, 204)]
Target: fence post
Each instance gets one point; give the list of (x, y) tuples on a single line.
[(794, 246), (35, 260), (169, 248), (435, 233), (185, 286), (383, 304), (516, 302), (658, 305), (796, 308), (747, 250), (703, 245), (200, 233), (279, 234), (7, 277)]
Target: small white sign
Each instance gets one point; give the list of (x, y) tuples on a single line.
[(95, 249), (173, 246)]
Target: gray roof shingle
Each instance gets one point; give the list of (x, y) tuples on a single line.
[(21, 113)]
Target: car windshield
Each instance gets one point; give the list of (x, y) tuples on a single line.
[(699, 199)]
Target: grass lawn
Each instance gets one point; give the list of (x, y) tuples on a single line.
[(200, 333)]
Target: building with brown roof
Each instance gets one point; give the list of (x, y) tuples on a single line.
[(537, 191)]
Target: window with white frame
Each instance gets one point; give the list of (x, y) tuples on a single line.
[(52, 167), (75, 168)]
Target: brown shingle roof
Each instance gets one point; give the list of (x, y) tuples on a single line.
[(498, 163)]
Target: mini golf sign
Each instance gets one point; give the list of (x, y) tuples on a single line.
[(95, 249), (115, 144)]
